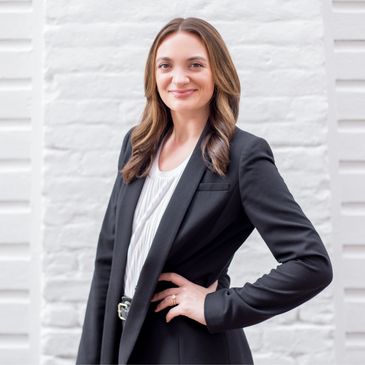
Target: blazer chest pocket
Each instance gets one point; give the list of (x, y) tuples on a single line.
[(214, 186)]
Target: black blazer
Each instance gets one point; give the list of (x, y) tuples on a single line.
[(206, 221)]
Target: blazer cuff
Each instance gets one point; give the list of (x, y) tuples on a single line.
[(213, 310)]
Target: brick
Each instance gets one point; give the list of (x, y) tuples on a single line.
[(60, 264), (103, 59), (85, 111), (98, 34), (65, 290), (79, 235), (91, 85), (327, 357), (60, 315), (86, 262), (61, 343), (298, 82), (277, 56), (316, 311), (79, 189), (276, 32), (273, 358), (50, 360), (303, 339)]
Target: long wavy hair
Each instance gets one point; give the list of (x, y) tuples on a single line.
[(156, 120)]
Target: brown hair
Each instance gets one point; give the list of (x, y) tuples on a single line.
[(156, 119)]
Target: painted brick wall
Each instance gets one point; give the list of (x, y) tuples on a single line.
[(94, 55)]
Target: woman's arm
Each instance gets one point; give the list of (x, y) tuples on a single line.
[(90, 342), (305, 268)]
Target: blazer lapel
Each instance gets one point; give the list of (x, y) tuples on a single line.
[(161, 244)]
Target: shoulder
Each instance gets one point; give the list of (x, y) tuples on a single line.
[(246, 144)]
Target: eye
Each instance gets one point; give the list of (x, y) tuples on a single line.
[(162, 64), (197, 64)]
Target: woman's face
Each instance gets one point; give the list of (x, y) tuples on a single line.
[(182, 64)]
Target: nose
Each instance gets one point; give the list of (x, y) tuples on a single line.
[(179, 77)]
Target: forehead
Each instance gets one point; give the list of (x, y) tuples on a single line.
[(181, 45)]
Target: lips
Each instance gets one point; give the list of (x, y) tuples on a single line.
[(181, 93)]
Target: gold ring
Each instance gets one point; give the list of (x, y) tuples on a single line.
[(173, 297)]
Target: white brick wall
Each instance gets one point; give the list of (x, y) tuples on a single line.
[(93, 60)]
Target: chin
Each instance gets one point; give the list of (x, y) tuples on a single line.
[(182, 109), (184, 105)]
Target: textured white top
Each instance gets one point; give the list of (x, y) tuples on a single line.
[(155, 195)]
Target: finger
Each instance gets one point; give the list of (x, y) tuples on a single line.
[(167, 302), (174, 277), (174, 312), (163, 294)]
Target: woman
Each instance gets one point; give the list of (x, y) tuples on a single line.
[(191, 188)]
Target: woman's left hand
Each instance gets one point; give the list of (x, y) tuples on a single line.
[(189, 298)]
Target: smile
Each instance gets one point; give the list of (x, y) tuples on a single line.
[(182, 94)]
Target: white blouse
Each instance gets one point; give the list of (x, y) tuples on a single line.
[(155, 195)]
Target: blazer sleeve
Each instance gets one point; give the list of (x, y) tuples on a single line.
[(224, 279), (91, 337), (305, 268)]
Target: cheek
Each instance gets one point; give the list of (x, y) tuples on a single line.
[(208, 89), (162, 82), (206, 83)]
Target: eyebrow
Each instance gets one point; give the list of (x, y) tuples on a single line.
[(189, 59)]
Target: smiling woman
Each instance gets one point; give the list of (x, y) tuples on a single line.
[(190, 188)]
